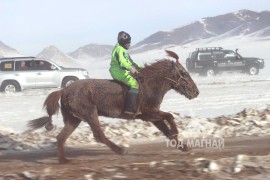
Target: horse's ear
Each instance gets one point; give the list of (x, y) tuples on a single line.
[(174, 66), (174, 55), (173, 63)]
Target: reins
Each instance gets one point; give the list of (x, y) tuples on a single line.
[(177, 83), (137, 77)]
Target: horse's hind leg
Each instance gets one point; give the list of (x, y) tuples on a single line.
[(71, 123), (98, 133)]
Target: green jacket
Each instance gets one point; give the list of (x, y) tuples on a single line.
[(121, 61)]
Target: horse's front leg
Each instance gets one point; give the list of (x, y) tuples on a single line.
[(161, 125), (174, 131), (158, 119), (168, 117)]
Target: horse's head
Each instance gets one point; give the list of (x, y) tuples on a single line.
[(180, 79)]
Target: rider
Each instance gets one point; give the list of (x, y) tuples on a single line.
[(123, 69)]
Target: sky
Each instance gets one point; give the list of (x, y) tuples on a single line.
[(29, 26)]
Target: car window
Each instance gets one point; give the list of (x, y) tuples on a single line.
[(218, 55), (24, 65), (7, 66), (229, 54), (42, 65), (193, 55), (204, 56)]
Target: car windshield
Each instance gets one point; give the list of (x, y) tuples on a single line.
[(229, 54), (192, 55)]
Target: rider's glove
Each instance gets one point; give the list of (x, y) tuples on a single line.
[(133, 70)]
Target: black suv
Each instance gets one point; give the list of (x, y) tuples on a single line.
[(212, 60)]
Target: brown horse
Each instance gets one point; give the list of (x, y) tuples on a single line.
[(85, 100)]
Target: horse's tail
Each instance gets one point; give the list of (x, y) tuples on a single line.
[(173, 54), (52, 106)]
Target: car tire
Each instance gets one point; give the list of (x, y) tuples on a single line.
[(10, 86), (252, 70), (68, 80), (209, 72)]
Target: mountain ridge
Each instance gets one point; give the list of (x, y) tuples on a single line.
[(242, 23)]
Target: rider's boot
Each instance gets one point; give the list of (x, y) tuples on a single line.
[(132, 101)]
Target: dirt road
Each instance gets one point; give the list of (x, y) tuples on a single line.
[(151, 160)]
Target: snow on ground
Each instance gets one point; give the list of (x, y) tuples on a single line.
[(229, 105), (248, 122), (217, 97), (224, 94)]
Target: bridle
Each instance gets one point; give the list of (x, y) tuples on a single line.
[(177, 83)]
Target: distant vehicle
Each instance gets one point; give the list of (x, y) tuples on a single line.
[(212, 60), (18, 73)]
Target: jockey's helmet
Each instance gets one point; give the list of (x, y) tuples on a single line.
[(123, 38)]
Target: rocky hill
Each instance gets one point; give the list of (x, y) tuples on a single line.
[(54, 54), (240, 23), (6, 51), (92, 51)]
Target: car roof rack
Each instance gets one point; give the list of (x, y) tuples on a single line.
[(208, 48), (23, 57)]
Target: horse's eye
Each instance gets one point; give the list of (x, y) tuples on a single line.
[(184, 83), (185, 75)]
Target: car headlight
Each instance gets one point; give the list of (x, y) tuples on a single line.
[(260, 60), (85, 73)]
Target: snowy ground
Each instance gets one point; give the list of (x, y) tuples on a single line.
[(223, 94), (217, 113)]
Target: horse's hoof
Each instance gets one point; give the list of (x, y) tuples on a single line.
[(63, 161), (49, 126), (184, 148), (175, 114), (122, 151)]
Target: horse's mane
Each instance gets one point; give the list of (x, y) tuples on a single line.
[(160, 66), (157, 67)]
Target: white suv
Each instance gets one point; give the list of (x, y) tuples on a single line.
[(18, 73)]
